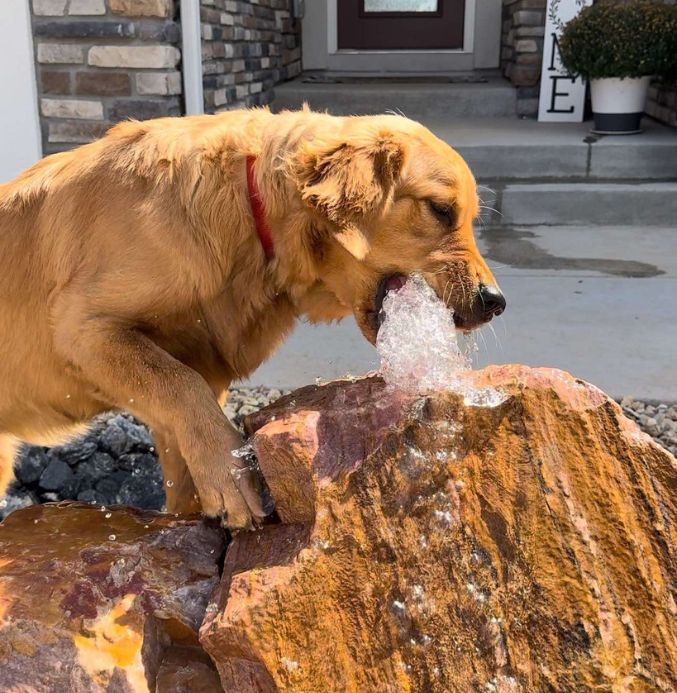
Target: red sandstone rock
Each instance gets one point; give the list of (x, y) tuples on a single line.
[(434, 545), (94, 600)]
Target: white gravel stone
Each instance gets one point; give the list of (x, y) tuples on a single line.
[(659, 420)]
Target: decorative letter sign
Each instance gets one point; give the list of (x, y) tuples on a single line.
[(562, 96)]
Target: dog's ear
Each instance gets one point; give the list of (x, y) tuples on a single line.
[(346, 182)]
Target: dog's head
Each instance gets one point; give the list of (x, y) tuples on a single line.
[(388, 199)]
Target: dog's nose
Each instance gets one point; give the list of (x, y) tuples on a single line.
[(492, 301)]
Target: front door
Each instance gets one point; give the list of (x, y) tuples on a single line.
[(400, 24)]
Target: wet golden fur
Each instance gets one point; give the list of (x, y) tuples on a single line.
[(132, 276)]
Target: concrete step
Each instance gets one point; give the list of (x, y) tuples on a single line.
[(611, 204), (518, 149), (493, 98), (506, 147)]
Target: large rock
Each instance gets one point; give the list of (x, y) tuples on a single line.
[(521, 539), (105, 600)]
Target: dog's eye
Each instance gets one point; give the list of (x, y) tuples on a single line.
[(445, 213)]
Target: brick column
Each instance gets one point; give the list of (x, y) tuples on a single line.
[(662, 103), (101, 62), (247, 48), (522, 50)]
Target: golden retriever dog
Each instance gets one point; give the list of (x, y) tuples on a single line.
[(149, 269)]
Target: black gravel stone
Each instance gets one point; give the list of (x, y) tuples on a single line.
[(143, 490), (57, 475), (31, 464), (139, 463), (100, 464), (76, 451), (88, 473), (91, 496), (113, 462), (130, 460), (122, 435)]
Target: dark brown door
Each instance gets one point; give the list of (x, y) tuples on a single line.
[(400, 24)]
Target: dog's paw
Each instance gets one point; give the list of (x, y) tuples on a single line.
[(237, 494), (228, 506)]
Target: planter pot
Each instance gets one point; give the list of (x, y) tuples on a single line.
[(618, 104)]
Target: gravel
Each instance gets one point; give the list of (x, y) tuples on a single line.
[(115, 461), (658, 419)]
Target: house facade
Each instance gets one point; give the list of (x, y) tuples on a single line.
[(72, 68)]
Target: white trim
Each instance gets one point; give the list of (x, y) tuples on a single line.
[(20, 134), (332, 28), (191, 56), (469, 26)]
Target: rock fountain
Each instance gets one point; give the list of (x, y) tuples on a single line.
[(441, 530)]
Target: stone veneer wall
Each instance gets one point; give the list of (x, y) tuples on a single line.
[(662, 103), (102, 61), (247, 48), (522, 50)]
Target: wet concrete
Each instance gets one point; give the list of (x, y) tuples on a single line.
[(515, 248), (596, 301)]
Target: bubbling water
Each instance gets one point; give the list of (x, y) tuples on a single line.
[(419, 349), (417, 341)]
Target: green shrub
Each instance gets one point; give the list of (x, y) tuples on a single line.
[(633, 39)]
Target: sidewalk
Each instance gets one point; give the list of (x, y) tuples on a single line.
[(585, 249), (571, 304)]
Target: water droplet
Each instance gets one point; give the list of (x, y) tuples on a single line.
[(399, 608), (112, 537), (131, 400), (444, 517), (170, 483), (108, 515), (289, 664)]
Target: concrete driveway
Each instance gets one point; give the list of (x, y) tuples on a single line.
[(597, 301)]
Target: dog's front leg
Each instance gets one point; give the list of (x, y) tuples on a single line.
[(131, 372), (180, 492)]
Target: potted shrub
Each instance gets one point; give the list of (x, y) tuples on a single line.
[(619, 48)]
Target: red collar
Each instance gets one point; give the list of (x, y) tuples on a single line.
[(258, 211)]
